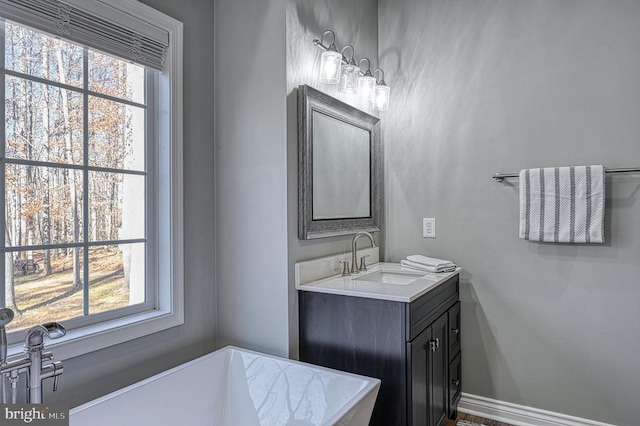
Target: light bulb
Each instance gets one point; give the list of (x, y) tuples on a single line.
[(349, 79), (381, 94), (330, 66), (366, 85)]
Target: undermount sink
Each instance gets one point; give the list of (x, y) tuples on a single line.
[(383, 280), (391, 277)]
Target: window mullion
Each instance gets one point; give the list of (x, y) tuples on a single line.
[(85, 179), (10, 249), (3, 222), (70, 88)]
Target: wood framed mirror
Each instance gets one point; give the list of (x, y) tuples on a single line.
[(339, 167)]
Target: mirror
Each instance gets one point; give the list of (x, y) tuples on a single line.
[(339, 167)]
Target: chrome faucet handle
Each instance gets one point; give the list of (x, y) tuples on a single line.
[(363, 264), (13, 379), (6, 316), (345, 268), (35, 335)]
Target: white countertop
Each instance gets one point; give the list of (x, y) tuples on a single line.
[(358, 285)]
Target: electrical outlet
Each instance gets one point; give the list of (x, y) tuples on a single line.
[(428, 227)]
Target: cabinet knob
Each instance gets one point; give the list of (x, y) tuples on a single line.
[(455, 383), (455, 330)]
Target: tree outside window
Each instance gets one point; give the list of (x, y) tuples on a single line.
[(74, 180)]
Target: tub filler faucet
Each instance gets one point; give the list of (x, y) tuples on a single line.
[(38, 365)]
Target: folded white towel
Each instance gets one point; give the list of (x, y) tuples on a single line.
[(450, 267), (428, 261), (563, 204)]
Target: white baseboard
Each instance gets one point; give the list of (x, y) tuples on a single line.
[(518, 415)]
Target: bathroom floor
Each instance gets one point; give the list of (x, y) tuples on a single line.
[(476, 419)]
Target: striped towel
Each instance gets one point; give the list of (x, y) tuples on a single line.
[(562, 204)]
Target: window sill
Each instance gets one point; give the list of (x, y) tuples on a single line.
[(99, 336)]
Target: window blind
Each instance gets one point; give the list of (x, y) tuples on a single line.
[(94, 24)]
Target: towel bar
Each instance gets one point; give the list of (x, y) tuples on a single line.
[(499, 177)]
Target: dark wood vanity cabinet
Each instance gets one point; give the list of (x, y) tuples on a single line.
[(455, 360), (413, 348), (428, 365)]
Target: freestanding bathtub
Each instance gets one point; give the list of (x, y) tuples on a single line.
[(237, 387)]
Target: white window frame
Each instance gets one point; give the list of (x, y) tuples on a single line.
[(165, 172)]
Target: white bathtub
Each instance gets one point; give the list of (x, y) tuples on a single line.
[(237, 387)]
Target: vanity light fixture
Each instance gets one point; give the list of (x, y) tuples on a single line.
[(349, 74), (331, 61), (338, 69), (381, 94), (366, 84)]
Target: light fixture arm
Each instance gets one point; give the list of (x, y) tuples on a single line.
[(345, 59), (320, 43), (367, 73), (381, 81)]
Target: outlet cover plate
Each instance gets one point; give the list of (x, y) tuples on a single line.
[(428, 227)]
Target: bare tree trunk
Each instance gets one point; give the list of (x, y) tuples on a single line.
[(45, 231), (10, 283), (113, 205), (46, 208), (30, 170), (77, 280)]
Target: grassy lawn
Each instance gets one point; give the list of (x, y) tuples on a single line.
[(40, 298)]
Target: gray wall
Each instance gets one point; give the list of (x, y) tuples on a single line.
[(101, 372), (356, 23), (251, 164), (481, 86)]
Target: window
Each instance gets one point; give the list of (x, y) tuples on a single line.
[(91, 187)]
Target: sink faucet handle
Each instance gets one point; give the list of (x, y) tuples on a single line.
[(363, 264), (345, 268)]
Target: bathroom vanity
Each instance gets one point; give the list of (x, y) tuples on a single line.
[(399, 326)]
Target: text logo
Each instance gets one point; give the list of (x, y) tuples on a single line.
[(34, 414)]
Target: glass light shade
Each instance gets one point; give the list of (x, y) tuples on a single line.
[(380, 100), (366, 85), (330, 62), (349, 79)]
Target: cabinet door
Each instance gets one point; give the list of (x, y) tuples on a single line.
[(439, 369), (454, 331), (419, 401), (428, 375), (455, 385)]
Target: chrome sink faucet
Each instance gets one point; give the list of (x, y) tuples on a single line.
[(354, 255), (37, 363)]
